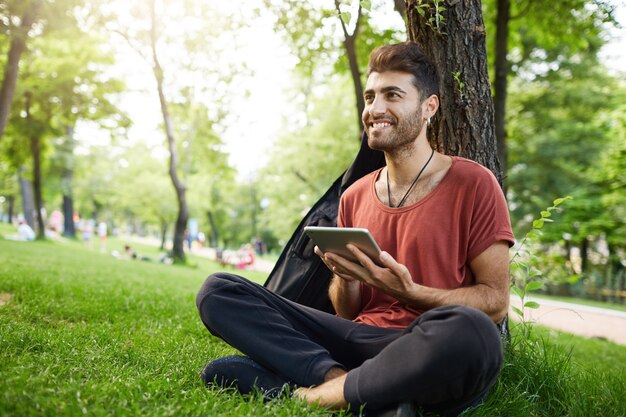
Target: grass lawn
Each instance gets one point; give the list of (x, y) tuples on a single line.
[(82, 332)]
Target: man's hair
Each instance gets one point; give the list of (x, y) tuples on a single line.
[(407, 57)]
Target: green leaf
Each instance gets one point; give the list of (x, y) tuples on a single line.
[(546, 213), (531, 304), (366, 4), (534, 286), (533, 234), (345, 16), (560, 201), (538, 224), (548, 220), (517, 311), (421, 11), (517, 291)]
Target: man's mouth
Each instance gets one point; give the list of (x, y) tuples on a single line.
[(380, 124)]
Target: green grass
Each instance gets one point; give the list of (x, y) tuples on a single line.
[(85, 333)]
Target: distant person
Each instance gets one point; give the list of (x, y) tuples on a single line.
[(132, 255), (87, 226), (24, 231), (102, 235), (417, 326)]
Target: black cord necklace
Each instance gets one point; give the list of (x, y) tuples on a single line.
[(412, 184)]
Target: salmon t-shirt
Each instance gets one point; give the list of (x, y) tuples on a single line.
[(435, 238)]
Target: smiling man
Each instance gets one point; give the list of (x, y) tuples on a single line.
[(420, 330)]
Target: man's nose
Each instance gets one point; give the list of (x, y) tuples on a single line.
[(378, 106)]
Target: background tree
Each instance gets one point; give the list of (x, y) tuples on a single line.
[(305, 161), (339, 32), (159, 42), (530, 34), (57, 91), (21, 20)]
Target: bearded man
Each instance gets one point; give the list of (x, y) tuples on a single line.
[(416, 328)]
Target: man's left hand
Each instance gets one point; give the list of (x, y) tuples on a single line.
[(390, 277)]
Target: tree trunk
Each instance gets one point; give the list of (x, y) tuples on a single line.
[(349, 43), (465, 123), (67, 176), (163, 234), (500, 84), (178, 251), (11, 209), (214, 232), (400, 7), (35, 149), (11, 68), (584, 256), (69, 229), (26, 191)]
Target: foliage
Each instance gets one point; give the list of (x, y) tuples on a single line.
[(525, 274), (306, 161), (547, 34)]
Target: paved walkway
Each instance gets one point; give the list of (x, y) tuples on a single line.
[(577, 319)]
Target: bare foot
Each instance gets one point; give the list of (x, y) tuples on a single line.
[(329, 394)]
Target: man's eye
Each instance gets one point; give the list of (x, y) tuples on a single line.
[(368, 98)]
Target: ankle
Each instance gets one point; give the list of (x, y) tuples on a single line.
[(334, 372)]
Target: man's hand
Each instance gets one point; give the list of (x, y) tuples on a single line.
[(489, 293), (392, 278)]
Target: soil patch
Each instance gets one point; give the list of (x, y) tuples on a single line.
[(5, 297)]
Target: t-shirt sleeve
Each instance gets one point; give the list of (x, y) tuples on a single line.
[(341, 215), (490, 221)]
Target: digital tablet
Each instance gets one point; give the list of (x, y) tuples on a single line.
[(335, 239)]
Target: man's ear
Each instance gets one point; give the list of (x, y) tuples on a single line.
[(430, 106)]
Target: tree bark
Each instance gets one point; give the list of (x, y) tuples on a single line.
[(26, 191), (35, 149), (67, 175), (500, 83), (214, 232), (163, 234), (11, 209), (349, 43), (400, 7), (11, 68), (69, 229), (464, 125), (178, 251)]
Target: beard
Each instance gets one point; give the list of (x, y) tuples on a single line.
[(397, 138)]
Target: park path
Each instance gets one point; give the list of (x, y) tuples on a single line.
[(577, 319), (573, 318)]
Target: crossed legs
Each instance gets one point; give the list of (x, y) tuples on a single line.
[(445, 359)]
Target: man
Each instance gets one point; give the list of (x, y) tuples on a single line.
[(418, 331)]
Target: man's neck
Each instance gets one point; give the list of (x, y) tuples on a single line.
[(404, 165)]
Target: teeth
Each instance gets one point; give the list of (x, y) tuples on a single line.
[(380, 125)]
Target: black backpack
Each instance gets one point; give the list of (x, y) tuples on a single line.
[(299, 274)]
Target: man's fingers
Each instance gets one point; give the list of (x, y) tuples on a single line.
[(395, 267)]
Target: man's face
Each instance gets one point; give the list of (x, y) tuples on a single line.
[(392, 117)]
